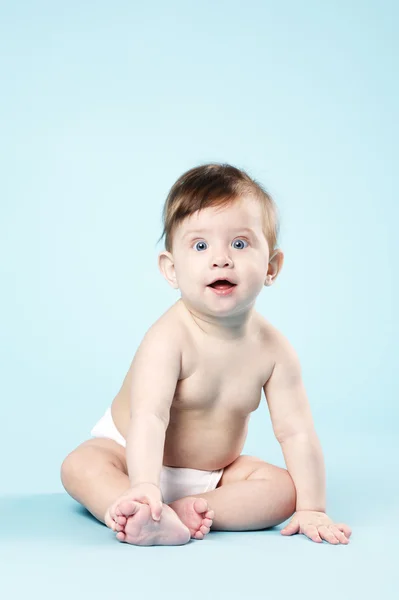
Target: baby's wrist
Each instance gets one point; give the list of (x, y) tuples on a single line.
[(134, 483)]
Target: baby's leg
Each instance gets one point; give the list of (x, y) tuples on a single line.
[(95, 475)]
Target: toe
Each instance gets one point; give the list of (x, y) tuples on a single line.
[(121, 520), (127, 508), (210, 514), (199, 535), (204, 529), (121, 536), (207, 522), (200, 505)]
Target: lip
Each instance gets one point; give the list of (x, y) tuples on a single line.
[(222, 279), (226, 292)]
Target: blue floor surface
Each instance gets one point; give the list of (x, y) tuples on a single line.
[(51, 547)]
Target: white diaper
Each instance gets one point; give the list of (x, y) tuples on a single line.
[(175, 482)]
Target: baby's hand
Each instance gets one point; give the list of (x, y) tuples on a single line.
[(317, 525), (146, 493)]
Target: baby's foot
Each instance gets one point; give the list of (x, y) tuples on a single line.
[(136, 526), (195, 514)]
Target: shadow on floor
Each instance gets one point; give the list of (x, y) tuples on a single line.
[(49, 517)]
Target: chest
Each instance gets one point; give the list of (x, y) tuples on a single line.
[(214, 376)]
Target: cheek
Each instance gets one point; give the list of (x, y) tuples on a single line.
[(188, 271), (256, 275), (254, 268)]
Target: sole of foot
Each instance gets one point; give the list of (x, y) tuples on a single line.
[(140, 528), (195, 514)]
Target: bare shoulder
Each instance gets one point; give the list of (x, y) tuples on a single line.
[(160, 348), (277, 346), (168, 328), (270, 336), (166, 337)]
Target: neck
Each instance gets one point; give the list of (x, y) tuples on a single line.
[(238, 326)]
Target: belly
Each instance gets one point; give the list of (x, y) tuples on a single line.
[(204, 443), (196, 441)]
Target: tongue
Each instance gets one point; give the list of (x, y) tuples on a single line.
[(222, 286)]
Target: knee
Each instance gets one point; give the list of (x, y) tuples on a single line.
[(70, 469), (78, 465)]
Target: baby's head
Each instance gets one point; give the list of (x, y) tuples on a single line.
[(219, 223)]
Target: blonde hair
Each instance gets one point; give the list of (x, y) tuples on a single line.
[(216, 185)]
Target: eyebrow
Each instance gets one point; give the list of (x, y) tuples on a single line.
[(192, 232)]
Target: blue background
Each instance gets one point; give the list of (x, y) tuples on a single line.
[(103, 106)]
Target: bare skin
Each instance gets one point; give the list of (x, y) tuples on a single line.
[(196, 382), (219, 387), (181, 520)]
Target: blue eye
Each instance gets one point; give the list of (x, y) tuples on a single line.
[(237, 240), (199, 243), (241, 240)]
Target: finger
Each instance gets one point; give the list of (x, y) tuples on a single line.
[(343, 527), (312, 533), (291, 528), (156, 509), (341, 537), (326, 533)]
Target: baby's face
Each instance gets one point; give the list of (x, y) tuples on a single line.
[(221, 243)]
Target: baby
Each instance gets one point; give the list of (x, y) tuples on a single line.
[(164, 463)]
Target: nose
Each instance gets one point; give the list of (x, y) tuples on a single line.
[(222, 261)]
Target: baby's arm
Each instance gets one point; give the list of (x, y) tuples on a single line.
[(294, 428), (155, 373)]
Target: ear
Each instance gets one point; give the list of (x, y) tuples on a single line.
[(167, 267), (274, 267)]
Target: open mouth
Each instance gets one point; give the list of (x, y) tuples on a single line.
[(222, 284)]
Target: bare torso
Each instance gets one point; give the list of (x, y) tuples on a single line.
[(220, 385)]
